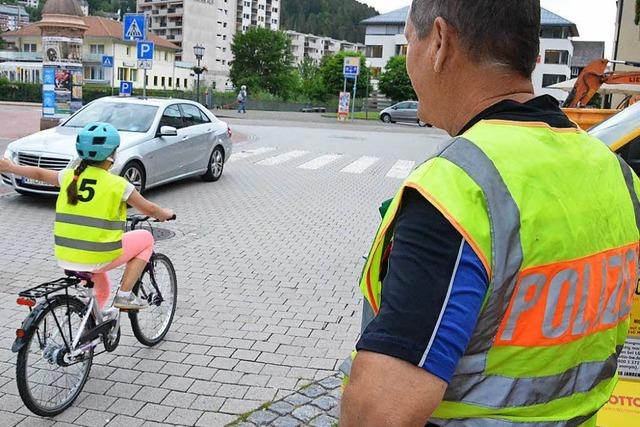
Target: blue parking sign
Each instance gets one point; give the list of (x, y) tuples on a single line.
[(126, 88), (133, 27), (145, 51), (107, 61)]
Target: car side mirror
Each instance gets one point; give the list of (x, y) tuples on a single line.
[(168, 131), (394, 108)]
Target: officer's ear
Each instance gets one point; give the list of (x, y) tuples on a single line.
[(444, 38)]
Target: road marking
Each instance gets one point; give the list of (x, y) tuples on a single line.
[(361, 165), (401, 169), (282, 158), (320, 162), (250, 153)]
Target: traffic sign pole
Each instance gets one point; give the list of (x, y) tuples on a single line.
[(355, 87), (144, 83)]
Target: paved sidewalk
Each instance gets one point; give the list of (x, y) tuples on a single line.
[(314, 405)]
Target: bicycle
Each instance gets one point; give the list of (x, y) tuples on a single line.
[(57, 340)]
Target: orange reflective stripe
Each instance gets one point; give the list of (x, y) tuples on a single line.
[(566, 301)]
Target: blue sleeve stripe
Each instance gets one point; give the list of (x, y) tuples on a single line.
[(469, 284), (444, 306)]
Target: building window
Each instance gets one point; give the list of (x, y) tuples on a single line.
[(29, 47), (185, 83), (122, 73), (94, 73), (162, 82), (96, 49), (170, 81), (554, 33), (401, 49), (128, 51), (374, 51), (177, 83), (551, 79), (556, 57), (155, 80), (133, 74)]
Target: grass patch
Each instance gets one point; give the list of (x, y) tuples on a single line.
[(360, 115)]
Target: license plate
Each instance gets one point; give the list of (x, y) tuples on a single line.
[(30, 181)]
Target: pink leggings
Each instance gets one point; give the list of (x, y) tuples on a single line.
[(135, 244)]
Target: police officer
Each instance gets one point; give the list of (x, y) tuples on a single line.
[(500, 281)]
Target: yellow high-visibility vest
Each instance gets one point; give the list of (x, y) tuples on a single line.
[(91, 231), (554, 216)]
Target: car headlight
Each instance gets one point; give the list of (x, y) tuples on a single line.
[(11, 155)]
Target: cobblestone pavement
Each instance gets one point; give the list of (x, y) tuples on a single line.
[(267, 262)]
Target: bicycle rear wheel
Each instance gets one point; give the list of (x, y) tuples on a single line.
[(49, 380), (159, 287)]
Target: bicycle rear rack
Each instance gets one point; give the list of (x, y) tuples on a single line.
[(49, 288)]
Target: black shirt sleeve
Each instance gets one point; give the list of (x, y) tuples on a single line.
[(421, 264)]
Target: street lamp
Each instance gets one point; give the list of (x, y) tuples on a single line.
[(198, 51), (367, 64)]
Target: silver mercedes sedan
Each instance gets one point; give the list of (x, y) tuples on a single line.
[(163, 140)]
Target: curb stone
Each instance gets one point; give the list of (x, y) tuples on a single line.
[(315, 405)]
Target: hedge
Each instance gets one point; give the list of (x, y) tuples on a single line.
[(32, 92)]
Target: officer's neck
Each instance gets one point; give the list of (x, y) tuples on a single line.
[(489, 88)]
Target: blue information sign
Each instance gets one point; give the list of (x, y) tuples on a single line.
[(133, 27), (107, 61), (126, 88), (145, 51)]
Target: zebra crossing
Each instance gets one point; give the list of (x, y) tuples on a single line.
[(306, 160)]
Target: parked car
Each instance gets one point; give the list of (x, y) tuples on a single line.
[(163, 140), (406, 111), (622, 134)]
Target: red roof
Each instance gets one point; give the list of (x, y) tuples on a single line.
[(98, 27)]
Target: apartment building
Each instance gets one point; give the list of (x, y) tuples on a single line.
[(186, 23), (258, 13), (385, 39), (12, 17), (103, 37), (317, 47)]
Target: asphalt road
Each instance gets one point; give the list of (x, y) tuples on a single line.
[(268, 260)]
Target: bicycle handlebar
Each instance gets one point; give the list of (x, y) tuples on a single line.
[(137, 219)]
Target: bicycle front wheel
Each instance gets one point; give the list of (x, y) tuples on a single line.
[(159, 288), (49, 378)]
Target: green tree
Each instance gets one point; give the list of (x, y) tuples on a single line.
[(395, 82), (339, 19), (333, 79), (263, 62), (312, 85)]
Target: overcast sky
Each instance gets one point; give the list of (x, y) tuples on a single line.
[(596, 19)]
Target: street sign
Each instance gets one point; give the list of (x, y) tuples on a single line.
[(134, 27), (145, 64), (107, 61), (145, 50), (126, 88), (351, 66)]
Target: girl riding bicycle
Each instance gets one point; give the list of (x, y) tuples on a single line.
[(91, 213)]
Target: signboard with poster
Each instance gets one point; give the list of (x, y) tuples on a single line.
[(62, 76), (623, 409), (343, 105)]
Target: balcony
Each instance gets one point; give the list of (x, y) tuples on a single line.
[(8, 55)]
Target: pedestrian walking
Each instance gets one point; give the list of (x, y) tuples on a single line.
[(242, 100), (499, 285)]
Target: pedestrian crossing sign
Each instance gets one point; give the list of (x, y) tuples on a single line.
[(134, 27), (107, 61)]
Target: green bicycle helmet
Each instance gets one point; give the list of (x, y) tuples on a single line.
[(97, 141)]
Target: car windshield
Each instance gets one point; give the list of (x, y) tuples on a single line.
[(125, 117), (618, 126)]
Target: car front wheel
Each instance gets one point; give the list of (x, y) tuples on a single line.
[(386, 118), (134, 173), (216, 165)]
